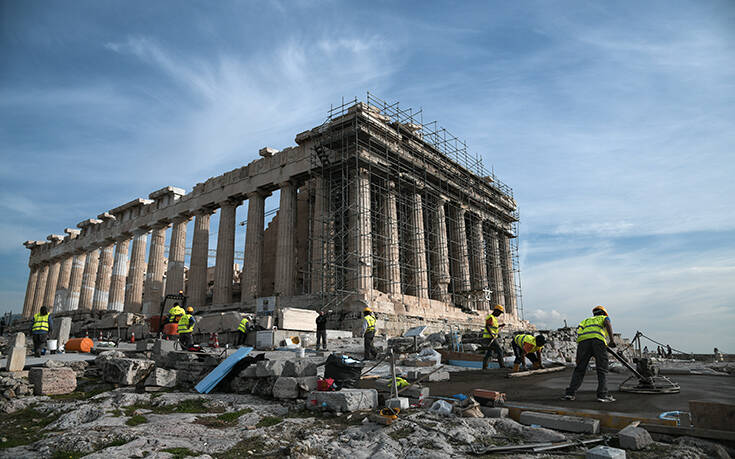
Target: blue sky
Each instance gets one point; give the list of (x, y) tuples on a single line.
[(612, 122)]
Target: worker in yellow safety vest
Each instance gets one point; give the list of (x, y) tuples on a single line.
[(175, 313), (243, 329), (490, 337), (368, 333), (186, 328), (594, 334), (40, 329), (525, 345)]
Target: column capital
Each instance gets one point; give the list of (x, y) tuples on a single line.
[(141, 231), (208, 210), (258, 192), (160, 225), (230, 202), (181, 218)]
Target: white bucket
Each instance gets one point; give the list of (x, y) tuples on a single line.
[(301, 352), (52, 344)]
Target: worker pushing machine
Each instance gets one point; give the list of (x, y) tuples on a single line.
[(186, 328), (527, 346), (594, 334), (490, 336), (368, 333)]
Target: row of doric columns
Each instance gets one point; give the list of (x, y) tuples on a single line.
[(467, 256)]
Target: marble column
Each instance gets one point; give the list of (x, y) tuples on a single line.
[(318, 232), (154, 273), (30, 291), (285, 276), (496, 274), (418, 246), (196, 287), (390, 241), (75, 281), (176, 256), (360, 234), (38, 296), (136, 273), (460, 260), (102, 282), (62, 284), (224, 264), (89, 279), (116, 300), (441, 252), (479, 263), (509, 284), (251, 280), (52, 280)]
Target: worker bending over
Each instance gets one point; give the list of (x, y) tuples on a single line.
[(40, 329), (527, 346), (242, 331), (593, 336), (490, 336), (368, 333), (175, 313), (186, 328)]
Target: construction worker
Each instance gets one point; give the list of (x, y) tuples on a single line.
[(527, 346), (490, 336), (368, 333), (321, 330), (593, 336), (243, 330), (40, 329), (175, 313), (186, 328)]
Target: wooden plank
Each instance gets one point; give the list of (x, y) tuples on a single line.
[(711, 434), (607, 419), (215, 376), (521, 374), (712, 415)]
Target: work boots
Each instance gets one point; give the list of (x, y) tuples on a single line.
[(484, 364), (516, 368)]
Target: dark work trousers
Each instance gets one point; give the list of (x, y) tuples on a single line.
[(186, 340), (370, 351), (39, 339), (241, 337), (518, 352), (493, 346), (585, 351), (321, 336)]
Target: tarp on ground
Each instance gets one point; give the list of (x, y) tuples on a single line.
[(209, 382)]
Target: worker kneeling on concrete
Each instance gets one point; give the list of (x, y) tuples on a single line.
[(186, 328), (593, 336), (368, 333), (527, 346), (490, 336)]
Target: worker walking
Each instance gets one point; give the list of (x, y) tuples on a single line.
[(527, 346), (490, 336), (186, 328), (242, 331), (40, 329), (593, 336), (368, 333)]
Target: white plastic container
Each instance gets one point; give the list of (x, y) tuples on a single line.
[(52, 344)]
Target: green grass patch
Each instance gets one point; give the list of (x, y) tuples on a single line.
[(63, 454), (181, 453), (24, 426), (94, 389), (192, 406), (116, 413), (268, 421), (115, 442), (403, 432), (223, 420), (136, 420), (249, 447), (300, 414)]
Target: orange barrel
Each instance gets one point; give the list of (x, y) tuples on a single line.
[(79, 345), (171, 329)]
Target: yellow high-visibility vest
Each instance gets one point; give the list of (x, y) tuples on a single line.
[(522, 339), (243, 327), (493, 333), (370, 323), (185, 324), (40, 323), (592, 328)]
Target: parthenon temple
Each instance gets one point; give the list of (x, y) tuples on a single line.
[(375, 207)]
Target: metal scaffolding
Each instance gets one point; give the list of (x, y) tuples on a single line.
[(392, 243)]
